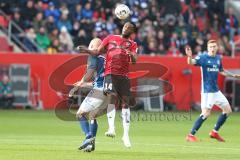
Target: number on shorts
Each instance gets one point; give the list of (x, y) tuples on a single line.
[(108, 86)]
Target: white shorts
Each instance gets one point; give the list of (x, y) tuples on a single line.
[(95, 99), (208, 100)]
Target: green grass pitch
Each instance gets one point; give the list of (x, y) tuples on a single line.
[(40, 135)]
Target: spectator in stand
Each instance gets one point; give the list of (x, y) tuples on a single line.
[(193, 30), (77, 14), (100, 25), (6, 93), (75, 29), (174, 51), (64, 22), (50, 24), (54, 34), (162, 39), (183, 41), (199, 41), (230, 24), (216, 23), (28, 13), (42, 39), (170, 9), (87, 12), (81, 39), (215, 7), (5, 6), (111, 26), (39, 6), (198, 50), (180, 28), (99, 11), (161, 50), (63, 9), (54, 47), (18, 20), (65, 39), (52, 11), (29, 39), (152, 48), (82, 17), (38, 21), (225, 43), (174, 40), (142, 43)]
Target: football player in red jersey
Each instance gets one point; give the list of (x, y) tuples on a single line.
[(120, 50)]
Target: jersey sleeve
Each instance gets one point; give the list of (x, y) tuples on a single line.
[(92, 62), (199, 60), (134, 48), (105, 41)]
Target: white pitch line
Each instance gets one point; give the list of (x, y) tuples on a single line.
[(176, 145)]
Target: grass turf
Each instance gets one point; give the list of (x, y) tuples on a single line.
[(40, 135)]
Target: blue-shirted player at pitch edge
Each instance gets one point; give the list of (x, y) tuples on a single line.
[(95, 100), (211, 65)]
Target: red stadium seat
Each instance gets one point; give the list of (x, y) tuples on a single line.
[(3, 21), (5, 46)]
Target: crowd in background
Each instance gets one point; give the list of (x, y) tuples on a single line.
[(164, 26)]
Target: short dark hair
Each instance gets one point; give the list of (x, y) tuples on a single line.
[(134, 27)]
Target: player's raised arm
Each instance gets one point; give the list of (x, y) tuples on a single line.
[(229, 74), (188, 51)]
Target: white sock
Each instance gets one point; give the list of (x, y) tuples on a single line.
[(111, 112), (126, 121)]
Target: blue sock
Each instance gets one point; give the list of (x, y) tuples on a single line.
[(93, 127), (221, 119), (197, 124), (84, 125)]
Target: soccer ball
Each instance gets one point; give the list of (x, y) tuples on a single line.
[(122, 11)]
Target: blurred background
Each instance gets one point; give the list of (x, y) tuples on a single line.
[(37, 36)]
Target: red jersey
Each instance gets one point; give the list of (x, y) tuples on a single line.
[(117, 59)]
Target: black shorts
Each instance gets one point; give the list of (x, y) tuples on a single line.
[(117, 84)]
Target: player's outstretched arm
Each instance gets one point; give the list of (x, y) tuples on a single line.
[(229, 74), (188, 52), (98, 51), (84, 49), (86, 78)]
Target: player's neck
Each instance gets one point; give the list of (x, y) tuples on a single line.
[(123, 36), (212, 55)]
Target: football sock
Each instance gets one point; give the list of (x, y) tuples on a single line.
[(198, 124), (111, 112), (84, 124), (125, 120), (221, 120), (93, 127)]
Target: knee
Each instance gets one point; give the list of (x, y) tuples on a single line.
[(227, 110), (92, 115), (80, 113), (206, 114)]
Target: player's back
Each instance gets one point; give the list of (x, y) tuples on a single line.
[(117, 59), (97, 63)]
